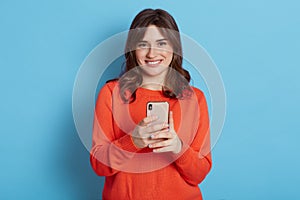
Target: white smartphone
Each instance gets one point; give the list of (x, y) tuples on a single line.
[(159, 109)]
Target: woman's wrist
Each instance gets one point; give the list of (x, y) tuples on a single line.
[(179, 147)]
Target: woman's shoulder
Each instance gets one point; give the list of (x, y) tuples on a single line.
[(110, 84), (198, 92), (107, 88)]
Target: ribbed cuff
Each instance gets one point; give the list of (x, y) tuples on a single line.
[(183, 154)]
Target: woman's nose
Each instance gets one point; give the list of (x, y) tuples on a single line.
[(151, 52)]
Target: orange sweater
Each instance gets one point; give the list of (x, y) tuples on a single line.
[(134, 173)]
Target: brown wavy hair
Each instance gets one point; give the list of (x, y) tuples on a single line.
[(176, 83)]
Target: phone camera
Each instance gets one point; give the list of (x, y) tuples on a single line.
[(150, 106)]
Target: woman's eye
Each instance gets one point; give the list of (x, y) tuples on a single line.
[(161, 44), (142, 45)]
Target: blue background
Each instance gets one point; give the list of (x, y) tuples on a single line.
[(255, 45)]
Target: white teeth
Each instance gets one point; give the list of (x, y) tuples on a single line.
[(153, 63)]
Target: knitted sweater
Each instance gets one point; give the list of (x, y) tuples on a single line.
[(134, 173)]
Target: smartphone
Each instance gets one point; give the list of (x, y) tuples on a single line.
[(159, 109)]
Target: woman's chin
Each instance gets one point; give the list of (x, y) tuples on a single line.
[(154, 72)]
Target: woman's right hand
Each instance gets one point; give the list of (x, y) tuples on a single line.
[(141, 135)]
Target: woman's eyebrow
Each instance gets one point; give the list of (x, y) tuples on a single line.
[(163, 39), (159, 40)]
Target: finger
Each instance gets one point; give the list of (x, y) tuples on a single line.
[(171, 121), (150, 141), (143, 136), (163, 149), (156, 127), (162, 134), (153, 134), (147, 120), (160, 144)]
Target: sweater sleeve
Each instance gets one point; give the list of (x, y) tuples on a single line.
[(108, 154), (195, 162)]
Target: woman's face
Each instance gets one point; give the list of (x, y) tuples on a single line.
[(154, 52)]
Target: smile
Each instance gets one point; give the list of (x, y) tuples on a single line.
[(153, 62)]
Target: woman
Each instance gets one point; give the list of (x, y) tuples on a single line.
[(139, 158)]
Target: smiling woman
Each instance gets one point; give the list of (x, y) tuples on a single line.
[(154, 53), (140, 158)]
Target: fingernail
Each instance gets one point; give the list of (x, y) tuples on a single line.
[(152, 136), (149, 145)]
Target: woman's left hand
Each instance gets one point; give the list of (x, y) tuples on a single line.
[(171, 143)]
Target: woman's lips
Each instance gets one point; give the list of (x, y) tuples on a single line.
[(153, 62)]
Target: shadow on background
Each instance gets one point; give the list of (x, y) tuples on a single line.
[(74, 165), (73, 161)]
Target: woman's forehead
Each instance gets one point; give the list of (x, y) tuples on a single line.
[(153, 34)]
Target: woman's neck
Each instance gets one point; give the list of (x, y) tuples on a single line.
[(152, 83)]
